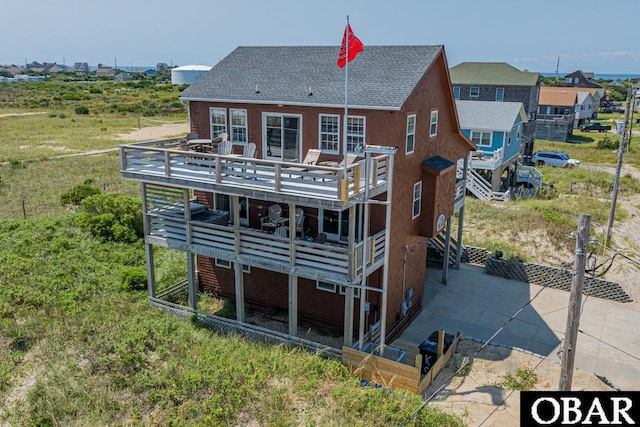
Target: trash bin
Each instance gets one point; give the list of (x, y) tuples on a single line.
[(448, 340), (429, 352)]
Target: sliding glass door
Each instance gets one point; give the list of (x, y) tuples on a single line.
[(281, 136)]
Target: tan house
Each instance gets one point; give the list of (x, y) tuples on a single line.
[(556, 114), (301, 213)]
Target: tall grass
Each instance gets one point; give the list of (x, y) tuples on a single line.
[(77, 349)]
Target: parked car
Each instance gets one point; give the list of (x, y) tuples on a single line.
[(588, 127), (554, 158)]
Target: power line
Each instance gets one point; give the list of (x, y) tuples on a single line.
[(610, 345)]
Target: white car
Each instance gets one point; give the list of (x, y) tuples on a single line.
[(554, 158)]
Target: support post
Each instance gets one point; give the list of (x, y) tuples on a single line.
[(237, 267), (148, 248), (575, 299), (293, 279), (447, 249), (461, 214), (293, 305), (616, 182)]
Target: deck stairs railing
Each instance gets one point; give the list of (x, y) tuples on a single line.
[(438, 244), (480, 187), (529, 175)]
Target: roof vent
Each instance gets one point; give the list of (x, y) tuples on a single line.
[(257, 89), (310, 93)]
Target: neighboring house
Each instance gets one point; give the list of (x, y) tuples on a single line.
[(587, 104), (122, 76), (581, 79), (556, 114), (105, 71), (81, 67), (279, 234), (496, 129), (13, 69), (499, 81)]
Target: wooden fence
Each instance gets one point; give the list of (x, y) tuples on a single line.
[(396, 375)]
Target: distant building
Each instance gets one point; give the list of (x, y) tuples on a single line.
[(81, 67), (187, 74), (122, 76), (105, 71), (580, 79)]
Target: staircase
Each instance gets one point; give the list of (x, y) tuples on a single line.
[(479, 187), (437, 244), (528, 175)]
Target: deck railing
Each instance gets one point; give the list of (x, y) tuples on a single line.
[(164, 161), (309, 259)]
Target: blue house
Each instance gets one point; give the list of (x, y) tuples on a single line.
[(496, 129)]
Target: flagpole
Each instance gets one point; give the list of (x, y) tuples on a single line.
[(346, 101)]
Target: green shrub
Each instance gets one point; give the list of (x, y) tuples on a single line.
[(81, 109), (607, 143), (77, 194), (134, 279), (523, 380), (112, 217)]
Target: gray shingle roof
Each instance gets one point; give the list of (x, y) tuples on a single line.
[(489, 115), (379, 77), (491, 73)]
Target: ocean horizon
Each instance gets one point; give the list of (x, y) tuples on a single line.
[(596, 76)]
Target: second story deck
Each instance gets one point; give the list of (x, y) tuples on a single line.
[(168, 162)]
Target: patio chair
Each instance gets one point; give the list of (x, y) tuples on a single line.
[(249, 150), (225, 147), (351, 158), (300, 222), (312, 156), (274, 219), (281, 231)]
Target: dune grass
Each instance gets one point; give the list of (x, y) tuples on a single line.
[(77, 349)]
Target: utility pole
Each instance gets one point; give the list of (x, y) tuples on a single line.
[(616, 181), (575, 304)]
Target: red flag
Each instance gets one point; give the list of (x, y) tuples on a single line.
[(355, 46)]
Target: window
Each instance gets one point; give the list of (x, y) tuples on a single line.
[(474, 92), (246, 268), (356, 291), (355, 132), (568, 80), (329, 133), (481, 138), (417, 199), (433, 127), (218, 121), (500, 94), (411, 133), (223, 263), (456, 92), (238, 126), (325, 286)]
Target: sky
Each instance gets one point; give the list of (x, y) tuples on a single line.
[(541, 36)]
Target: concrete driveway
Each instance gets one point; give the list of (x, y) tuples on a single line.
[(479, 304)]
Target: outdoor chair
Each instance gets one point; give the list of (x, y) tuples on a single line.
[(300, 222), (225, 147), (281, 231), (312, 156), (274, 219), (249, 150)]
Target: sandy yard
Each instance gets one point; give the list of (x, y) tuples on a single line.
[(156, 132)]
